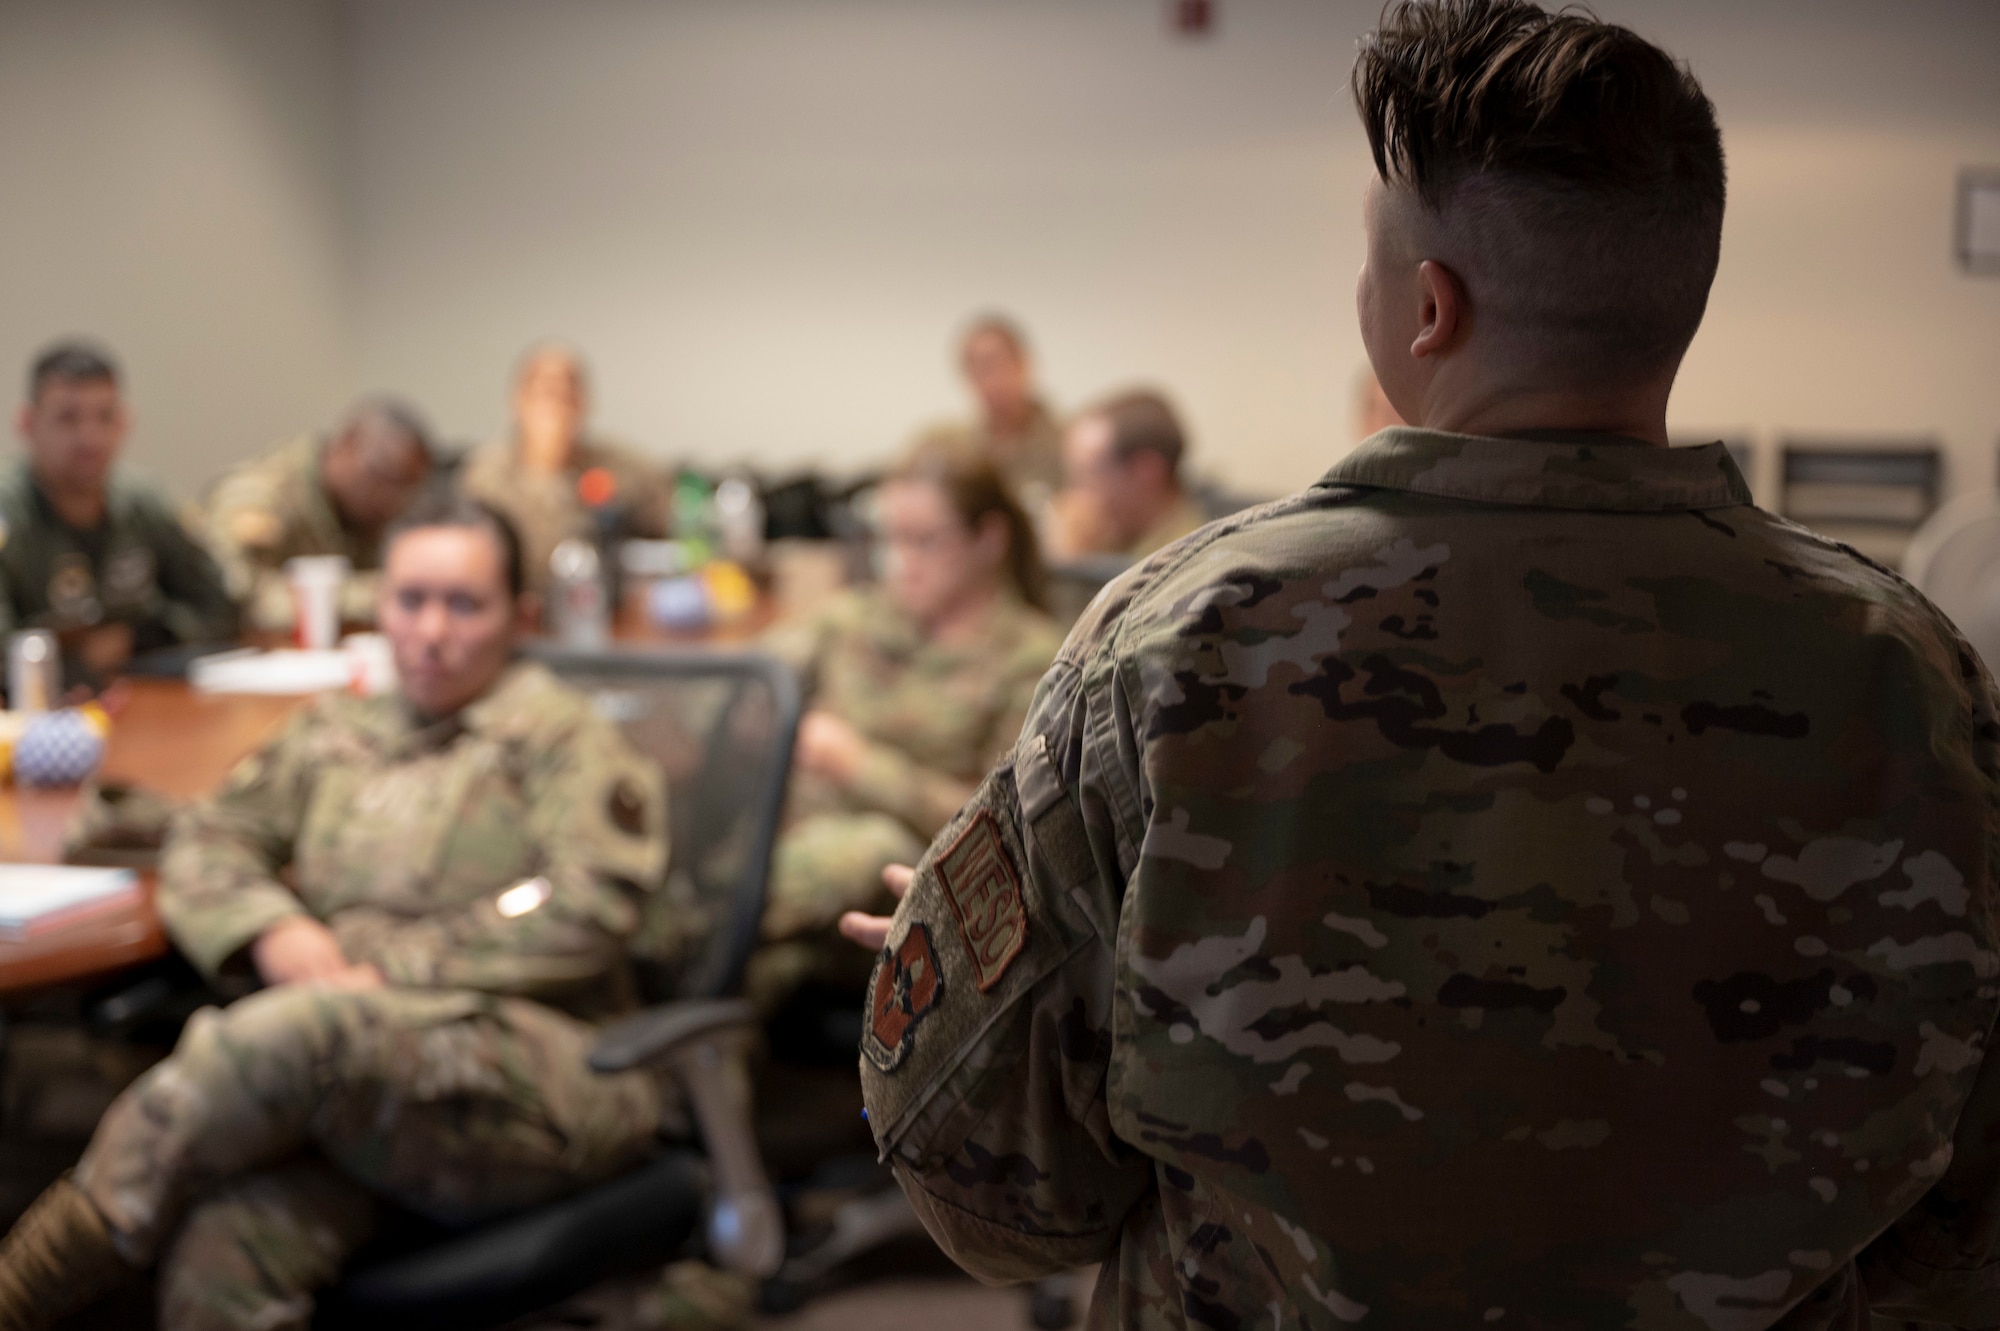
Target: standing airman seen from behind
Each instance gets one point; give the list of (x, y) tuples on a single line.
[(317, 496), (553, 479), (1014, 428), (1515, 882), (435, 887), (100, 559)]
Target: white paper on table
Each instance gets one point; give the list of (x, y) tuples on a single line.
[(281, 672), (30, 893)]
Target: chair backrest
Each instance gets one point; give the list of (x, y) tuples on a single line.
[(721, 725)]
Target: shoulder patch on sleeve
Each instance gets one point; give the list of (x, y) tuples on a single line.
[(985, 895), (908, 984)]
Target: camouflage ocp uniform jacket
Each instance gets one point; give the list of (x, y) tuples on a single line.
[(1510, 883), (276, 508), (935, 715), (403, 837)]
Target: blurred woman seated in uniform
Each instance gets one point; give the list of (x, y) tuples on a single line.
[(917, 686)]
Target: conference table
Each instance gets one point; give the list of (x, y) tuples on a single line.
[(178, 742)]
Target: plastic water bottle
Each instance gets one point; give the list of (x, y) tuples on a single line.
[(582, 610), (739, 520)]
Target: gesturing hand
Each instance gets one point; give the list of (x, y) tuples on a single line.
[(872, 931)]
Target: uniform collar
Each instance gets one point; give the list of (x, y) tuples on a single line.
[(497, 712), (1573, 471), (45, 509)]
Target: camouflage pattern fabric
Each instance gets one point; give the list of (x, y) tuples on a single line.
[(1031, 459), (276, 508), (276, 1121), (935, 716), (546, 511), (459, 1091), (1513, 882), (401, 835), (138, 567), (1181, 518)]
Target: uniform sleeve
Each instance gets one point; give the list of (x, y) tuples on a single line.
[(598, 817), (892, 782), (242, 533), (988, 1033), (219, 887), (194, 604), (1940, 1262)]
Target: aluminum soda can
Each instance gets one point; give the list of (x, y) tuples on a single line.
[(34, 671)]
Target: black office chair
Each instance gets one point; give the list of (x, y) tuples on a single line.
[(722, 726)]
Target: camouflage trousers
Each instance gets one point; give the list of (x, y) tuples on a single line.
[(823, 865), (248, 1164)]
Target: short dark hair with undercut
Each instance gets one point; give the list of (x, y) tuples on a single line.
[(441, 506), (70, 362), (1580, 163)]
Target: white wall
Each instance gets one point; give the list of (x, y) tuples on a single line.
[(1839, 311), (170, 183), (765, 218)]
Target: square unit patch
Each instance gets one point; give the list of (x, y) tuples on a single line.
[(985, 896)]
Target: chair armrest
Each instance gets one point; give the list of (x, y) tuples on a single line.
[(659, 1033), (707, 1045)]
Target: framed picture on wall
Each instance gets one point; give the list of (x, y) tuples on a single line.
[(1979, 220), (1872, 494)]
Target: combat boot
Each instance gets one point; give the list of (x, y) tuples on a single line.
[(56, 1260)]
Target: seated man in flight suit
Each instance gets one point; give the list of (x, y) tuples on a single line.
[(434, 887)]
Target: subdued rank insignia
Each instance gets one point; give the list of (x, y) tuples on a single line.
[(985, 896), (625, 809), (907, 986)]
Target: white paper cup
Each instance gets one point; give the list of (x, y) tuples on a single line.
[(316, 581)]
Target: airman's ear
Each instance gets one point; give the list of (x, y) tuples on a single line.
[(1443, 317)]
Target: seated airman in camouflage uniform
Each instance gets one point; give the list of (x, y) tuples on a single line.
[(434, 887), (317, 496), (554, 479), (918, 685), (1516, 882)]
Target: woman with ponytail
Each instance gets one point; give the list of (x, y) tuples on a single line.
[(917, 685)]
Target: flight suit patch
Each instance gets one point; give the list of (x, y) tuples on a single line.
[(130, 576), (907, 987), (72, 590), (625, 809), (985, 895)]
